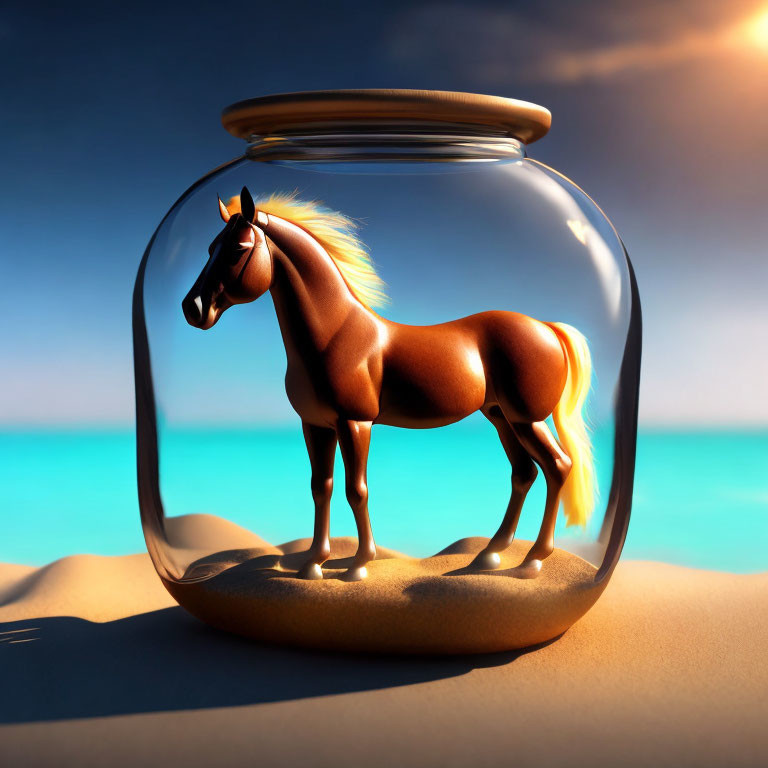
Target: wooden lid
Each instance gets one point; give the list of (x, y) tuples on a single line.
[(338, 111)]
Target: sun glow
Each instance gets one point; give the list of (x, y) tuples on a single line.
[(756, 30)]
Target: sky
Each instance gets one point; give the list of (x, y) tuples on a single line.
[(660, 113)]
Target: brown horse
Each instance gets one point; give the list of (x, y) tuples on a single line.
[(348, 368)]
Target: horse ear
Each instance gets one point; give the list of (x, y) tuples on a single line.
[(247, 206), (223, 212)]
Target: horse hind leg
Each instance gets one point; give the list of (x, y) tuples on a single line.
[(523, 474), (541, 444)]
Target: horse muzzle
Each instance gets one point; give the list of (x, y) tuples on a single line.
[(200, 313)]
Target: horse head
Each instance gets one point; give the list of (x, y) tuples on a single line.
[(239, 267)]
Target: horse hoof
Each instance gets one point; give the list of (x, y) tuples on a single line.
[(356, 574), (487, 561), (529, 569), (311, 571)]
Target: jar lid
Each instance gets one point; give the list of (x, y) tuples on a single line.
[(379, 109)]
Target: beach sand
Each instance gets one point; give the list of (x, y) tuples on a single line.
[(100, 667)]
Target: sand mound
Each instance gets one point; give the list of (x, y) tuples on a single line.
[(188, 531), (406, 605), (88, 586)]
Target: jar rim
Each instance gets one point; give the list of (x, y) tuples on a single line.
[(402, 110)]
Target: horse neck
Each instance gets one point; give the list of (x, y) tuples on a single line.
[(312, 300)]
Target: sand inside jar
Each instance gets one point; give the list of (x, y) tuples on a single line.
[(406, 605)]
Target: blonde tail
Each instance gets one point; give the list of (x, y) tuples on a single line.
[(578, 493)]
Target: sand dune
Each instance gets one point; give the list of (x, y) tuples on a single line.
[(87, 586), (668, 669), (187, 531)]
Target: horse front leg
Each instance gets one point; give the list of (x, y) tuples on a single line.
[(321, 447), (354, 440)]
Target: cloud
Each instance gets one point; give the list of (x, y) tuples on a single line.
[(562, 45), (608, 61)]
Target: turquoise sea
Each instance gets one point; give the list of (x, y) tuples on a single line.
[(701, 497)]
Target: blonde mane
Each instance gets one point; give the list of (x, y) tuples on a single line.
[(336, 233)]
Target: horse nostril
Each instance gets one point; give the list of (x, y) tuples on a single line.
[(193, 309)]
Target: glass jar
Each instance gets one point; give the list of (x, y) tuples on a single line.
[(446, 310)]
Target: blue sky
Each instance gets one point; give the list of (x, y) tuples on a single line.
[(660, 113)]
